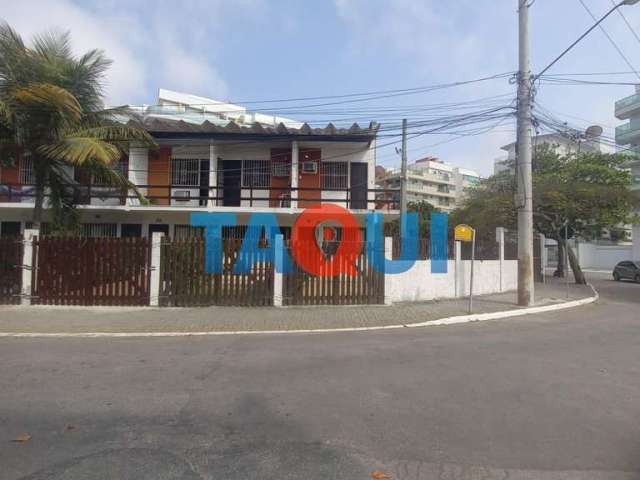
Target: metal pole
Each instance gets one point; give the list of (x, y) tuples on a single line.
[(524, 198), (403, 170), (473, 261), (566, 256)]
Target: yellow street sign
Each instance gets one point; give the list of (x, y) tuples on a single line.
[(464, 233)]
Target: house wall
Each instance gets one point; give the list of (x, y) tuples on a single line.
[(160, 174)]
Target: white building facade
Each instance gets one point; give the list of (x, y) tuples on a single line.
[(628, 135), (441, 184)]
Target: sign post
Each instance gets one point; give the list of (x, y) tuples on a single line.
[(465, 233)]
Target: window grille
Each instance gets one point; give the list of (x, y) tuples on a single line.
[(185, 172), (99, 230), (187, 231), (281, 168), (27, 176), (335, 175), (256, 173), (101, 180)]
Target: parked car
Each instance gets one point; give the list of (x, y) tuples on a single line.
[(627, 270)]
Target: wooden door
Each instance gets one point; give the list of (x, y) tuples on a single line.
[(309, 180)]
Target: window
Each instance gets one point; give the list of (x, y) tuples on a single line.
[(99, 230), (185, 172), (281, 168), (187, 231), (335, 175), (256, 173), (121, 167), (27, 177)]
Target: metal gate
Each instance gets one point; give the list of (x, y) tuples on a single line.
[(91, 271), (11, 250), (331, 286), (184, 282)]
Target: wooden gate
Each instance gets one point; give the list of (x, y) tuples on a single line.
[(91, 271), (330, 287), (184, 283), (10, 270)]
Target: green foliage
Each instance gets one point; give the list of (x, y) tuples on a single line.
[(590, 192), (51, 104), (424, 210)]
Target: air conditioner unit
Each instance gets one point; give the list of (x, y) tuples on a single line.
[(182, 195), (310, 167)]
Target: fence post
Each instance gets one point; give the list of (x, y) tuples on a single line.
[(27, 266), (500, 240), (459, 274), (388, 253), (278, 267), (154, 285)]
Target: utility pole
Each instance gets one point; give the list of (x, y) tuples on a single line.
[(403, 170), (524, 197)]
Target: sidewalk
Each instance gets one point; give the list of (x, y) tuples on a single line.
[(41, 319)]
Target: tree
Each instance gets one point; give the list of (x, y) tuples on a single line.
[(587, 193), (424, 210), (51, 106)]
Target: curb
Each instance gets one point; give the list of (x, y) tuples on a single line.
[(460, 319)]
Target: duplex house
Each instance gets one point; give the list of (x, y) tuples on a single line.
[(212, 156)]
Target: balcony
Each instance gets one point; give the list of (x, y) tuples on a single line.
[(627, 133), (170, 197), (628, 107)]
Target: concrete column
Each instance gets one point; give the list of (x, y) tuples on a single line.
[(278, 268), (500, 240), (27, 266), (213, 175), (154, 287), (295, 153), (138, 170), (459, 271), (388, 253), (636, 243)]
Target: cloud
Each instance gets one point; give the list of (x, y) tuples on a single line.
[(153, 45)]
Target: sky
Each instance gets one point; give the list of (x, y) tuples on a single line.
[(257, 50)]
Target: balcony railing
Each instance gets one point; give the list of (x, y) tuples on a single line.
[(627, 105), (161, 195), (627, 133)]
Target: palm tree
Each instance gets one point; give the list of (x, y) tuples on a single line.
[(51, 105)]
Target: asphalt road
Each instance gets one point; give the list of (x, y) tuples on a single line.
[(551, 396)]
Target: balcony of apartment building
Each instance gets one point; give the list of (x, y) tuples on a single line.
[(628, 107), (629, 133)]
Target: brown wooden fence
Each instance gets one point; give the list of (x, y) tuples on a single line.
[(184, 282), (11, 250), (328, 286), (91, 271)]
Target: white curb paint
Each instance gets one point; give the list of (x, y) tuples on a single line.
[(480, 317)]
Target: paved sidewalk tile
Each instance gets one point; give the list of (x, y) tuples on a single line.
[(40, 319)]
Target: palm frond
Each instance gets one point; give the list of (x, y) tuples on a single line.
[(53, 45), (48, 96), (115, 133), (80, 150)]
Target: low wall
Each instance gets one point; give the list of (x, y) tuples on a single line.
[(419, 284), (603, 257)]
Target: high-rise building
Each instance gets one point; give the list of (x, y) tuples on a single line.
[(432, 180)]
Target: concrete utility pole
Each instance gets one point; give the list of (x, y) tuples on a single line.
[(524, 197), (403, 170)]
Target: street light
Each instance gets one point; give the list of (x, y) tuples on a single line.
[(524, 199)]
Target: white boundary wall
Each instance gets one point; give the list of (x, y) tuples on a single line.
[(603, 257), (419, 284)]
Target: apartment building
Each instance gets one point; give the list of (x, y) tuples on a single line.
[(211, 156), (628, 135), (562, 144), (432, 180)]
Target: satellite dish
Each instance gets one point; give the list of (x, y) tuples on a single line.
[(594, 131)]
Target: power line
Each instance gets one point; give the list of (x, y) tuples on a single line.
[(631, 29), (615, 45)]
